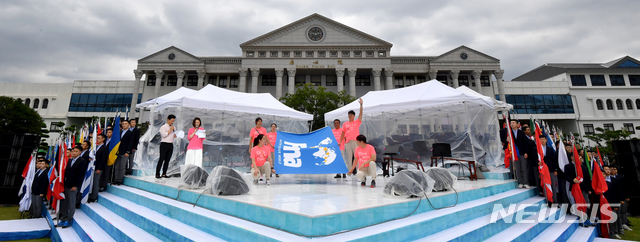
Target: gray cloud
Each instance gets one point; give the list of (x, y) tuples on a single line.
[(62, 41)]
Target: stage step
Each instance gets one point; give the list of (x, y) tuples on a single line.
[(119, 228), (559, 231), (22, 229), (583, 235), (481, 228), (163, 227), (223, 226), (87, 229), (529, 227)]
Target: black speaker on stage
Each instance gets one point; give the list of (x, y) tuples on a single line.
[(627, 153), (441, 150)]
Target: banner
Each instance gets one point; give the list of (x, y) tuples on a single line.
[(313, 153)]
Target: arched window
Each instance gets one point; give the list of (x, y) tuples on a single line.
[(629, 104), (609, 104), (45, 103), (599, 105), (27, 102), (36, 103), (619, 104), (638, 103)]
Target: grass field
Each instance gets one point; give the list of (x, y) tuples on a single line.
[(11, 212), (635, 234)]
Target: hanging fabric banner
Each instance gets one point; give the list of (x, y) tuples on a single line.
[(312, 153)]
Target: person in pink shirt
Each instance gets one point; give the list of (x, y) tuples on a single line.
[(194, 150), (351, 131), (272, 136), (366, 161), (338, 132), (261, 161), (254, 132)]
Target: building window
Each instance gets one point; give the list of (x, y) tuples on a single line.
[(426, 129), (45, 103), (369, 53), (634, 80), (609, 104), (249, 53), (262, 54), (399, 82), (629, 104), (297, 53), (414, 129), (609, 127), (442, 79), (36, 103), (101, 102), (192, 80), (588, 129), (382, 53), (409, 81), (274, 54), (402, 128), (485, 81), (268, 80), (213, 80), (27, 102), (629, 127), (333, 53), (463, 81), (422, 79), (151, 81), (317, 81), (598, 80), (346, 53), (299, 81), (285, 54), (619, 104), (172, 80), (357, 53), (363, 80), (309, 53), (322, 54), (599, 105), (578, 80), (638, 103), (616, 80), (233, 82), (542, 104), (222, 81), (331, 83), (54, 127)]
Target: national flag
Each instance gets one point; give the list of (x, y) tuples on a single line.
[(599, 157), (99, 132), (511, 148), (605, 215), (58, 187), (576, 192), (545, 177), (25, 190), (114, 144), (547, 133), (598, 182), (563, 158)]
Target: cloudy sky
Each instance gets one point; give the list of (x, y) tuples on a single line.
[(62, 41)]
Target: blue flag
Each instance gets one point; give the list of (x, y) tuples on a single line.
[(313, 153)]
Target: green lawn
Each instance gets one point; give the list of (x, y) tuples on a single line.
[(11, 212), (635, 234)]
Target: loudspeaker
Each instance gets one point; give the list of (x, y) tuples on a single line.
[(441, 150)]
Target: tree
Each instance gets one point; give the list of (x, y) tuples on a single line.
[(316, 101), (604, 138), (18, 118)]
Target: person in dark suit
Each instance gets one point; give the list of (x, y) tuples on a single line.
[(86, 150), (612, 195), (503, 138), (39, 188), (124, 151), (105, 177), (585, 185), (73, 177), (102, 156), (136, 138), (520, 168), (551, 159)]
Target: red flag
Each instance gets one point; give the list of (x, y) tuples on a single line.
[(599, 157), (507, 157), (545, 177), (598, 183), (605, 214), (99, 129), (26, 168), (58, 187), (576, 192), (578, 164), (511, 146)]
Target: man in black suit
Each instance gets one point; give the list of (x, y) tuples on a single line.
[(124, 151), (86, 150), (551, 159), (102, 156), (105, 177), (39, 188), (503, 138), (520, 168), (73, 177), (585, 185), (136, 138)]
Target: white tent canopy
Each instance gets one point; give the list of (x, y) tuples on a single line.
[(496, 103), (177, 94), (212, 97)]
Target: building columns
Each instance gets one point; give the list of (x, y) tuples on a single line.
[(242, 86), (136, 90), (279, 74), (352, 81), (291, 74), (201, 74), (388, 74), (432, 74), (476, 78), (454, 76), (255, 72), (180, 74), (498, 74), (159, 75), (340, 79), (376, 78)]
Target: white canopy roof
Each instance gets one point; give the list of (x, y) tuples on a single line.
[(215, 98), (177, 94), (427, 95), (497, 104)]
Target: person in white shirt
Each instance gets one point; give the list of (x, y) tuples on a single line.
[(167, 132)]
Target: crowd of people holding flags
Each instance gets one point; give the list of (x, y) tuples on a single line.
[(566, 173), (77, 167)]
